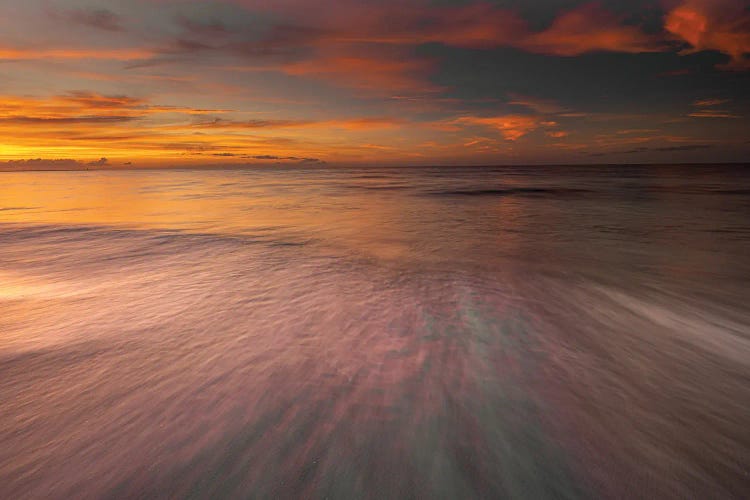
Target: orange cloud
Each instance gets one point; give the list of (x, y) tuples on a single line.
[(219, 123), (587, 29), (368, 123), (379, 74), (707, 109), (84, 107), (367, 45), (75, 108), (511, 127), (713, 113), (365, 123), (27, 54), (89, 125), (543, 106), (720, 25), (710, 102), (477, 25)]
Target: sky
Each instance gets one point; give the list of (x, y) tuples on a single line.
[(148, 83)]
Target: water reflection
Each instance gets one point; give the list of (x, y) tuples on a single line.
[(374, 334)]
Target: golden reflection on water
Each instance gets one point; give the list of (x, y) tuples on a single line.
[(365, 220), (149, 199)]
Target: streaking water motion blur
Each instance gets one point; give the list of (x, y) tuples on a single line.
[(540, 332)]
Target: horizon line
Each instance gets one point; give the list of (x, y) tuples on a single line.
[(333, 165)]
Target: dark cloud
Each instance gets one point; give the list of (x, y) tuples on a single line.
[(665, 149), (692, 147), (101, 162), (95, 100), (190, 147), (269, 158), (102, 19), (703, 103), (284, 158), (186, 45), (251, 124), (210, 28), (713, 113), (45, 164), (676, 72), (366, 123), (67, 120)]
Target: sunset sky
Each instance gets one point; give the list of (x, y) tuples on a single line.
[(120, 83)]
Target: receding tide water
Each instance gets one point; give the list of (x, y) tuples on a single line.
[(539, 332)]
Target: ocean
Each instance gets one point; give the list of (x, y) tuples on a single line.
[(514, 332)]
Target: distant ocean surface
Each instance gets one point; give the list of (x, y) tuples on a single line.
[(518, 332)]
